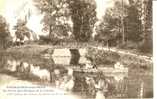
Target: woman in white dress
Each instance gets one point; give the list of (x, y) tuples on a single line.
[(101, 88)]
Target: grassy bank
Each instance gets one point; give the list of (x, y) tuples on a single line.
[(27, 50), (37, 50)]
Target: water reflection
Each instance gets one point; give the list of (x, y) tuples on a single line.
[(69, 77), (11, 65), (43, 74), (63, 79), (75, 56), (67, 56)]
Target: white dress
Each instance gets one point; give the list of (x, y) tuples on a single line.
[(99, 95)]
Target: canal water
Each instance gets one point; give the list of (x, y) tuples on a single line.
[(70, 71)]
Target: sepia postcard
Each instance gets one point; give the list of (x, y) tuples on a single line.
[(76, 49)]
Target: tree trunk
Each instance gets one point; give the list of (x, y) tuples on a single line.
[(50, 31), (122, 22)]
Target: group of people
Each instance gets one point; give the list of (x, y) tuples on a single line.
[(66, 81), (97, 87)]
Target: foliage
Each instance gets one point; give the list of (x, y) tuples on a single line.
[(44, 39), (110, 29), (133, 24), (84, 17), (5, 37), (147, 36), (137, 30), (101, 57), (60, 15), (129, 45), (56, 17), (22, 30)]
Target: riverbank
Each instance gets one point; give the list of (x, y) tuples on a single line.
[(37, 50)]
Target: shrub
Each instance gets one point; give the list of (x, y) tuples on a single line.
[(102, 57)]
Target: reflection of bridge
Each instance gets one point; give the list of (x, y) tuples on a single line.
[(66, 56)]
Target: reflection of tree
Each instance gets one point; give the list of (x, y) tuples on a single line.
[(75, 56), (80, 85), (121, 88), (3, 61)]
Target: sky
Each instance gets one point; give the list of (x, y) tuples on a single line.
[(2, 5), (13, 9)]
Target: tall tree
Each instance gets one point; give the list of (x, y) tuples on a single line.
[(84, 17), (110, 29), (56, 17), (119, 14), (4, 32), (22, 30), (147, 39), (81, 12), (133, 23)]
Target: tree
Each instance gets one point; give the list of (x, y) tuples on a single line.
[(80, 12), (22, 30), (133, 24), (139, 24), (122, 24), (108, 33), (56, 17), (110, 28), (4, 32), (147, 39), (84, 17)]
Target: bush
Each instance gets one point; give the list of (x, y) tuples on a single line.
[(48, 40), (129, 45), (102, 57), (146, 47), (44, 39)]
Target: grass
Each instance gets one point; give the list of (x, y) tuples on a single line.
[(31, 50), (35, 49)]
